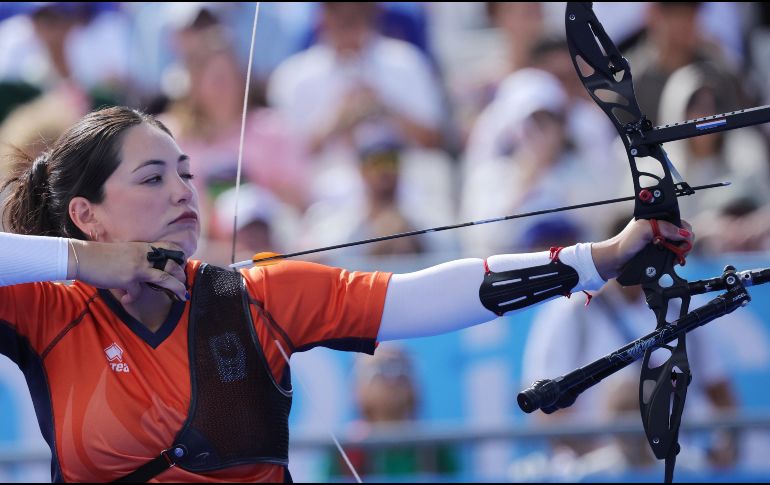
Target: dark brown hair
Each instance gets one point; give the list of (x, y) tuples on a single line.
[(77, 165)]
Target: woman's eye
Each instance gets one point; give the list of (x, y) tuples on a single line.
[(153, 180), (187, 176)]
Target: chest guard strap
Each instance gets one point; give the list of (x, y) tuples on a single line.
[(511, 290)]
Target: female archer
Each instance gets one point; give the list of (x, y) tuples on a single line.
[(152, 366)]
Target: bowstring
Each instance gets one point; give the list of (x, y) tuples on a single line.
[(235, 226)]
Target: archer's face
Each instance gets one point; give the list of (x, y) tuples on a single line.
[(150, 196)]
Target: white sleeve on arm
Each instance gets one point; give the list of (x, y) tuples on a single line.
[(27, 259), (445, 298)]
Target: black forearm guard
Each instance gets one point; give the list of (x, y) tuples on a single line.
[(511, 290)]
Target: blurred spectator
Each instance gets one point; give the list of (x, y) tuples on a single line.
[(406, 21), (83, 43), (380, 213), (498, 130), (386, 391), (740, 156), (362, 75), (387, 394), (738, 223), (33, 126), (368, 83), (152, 57), (207, 120), (589, 130), (265, 224), (731, 219), (520, 25), (674, 39), (531, 165)]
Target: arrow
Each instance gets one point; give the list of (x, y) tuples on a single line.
[(263, 259)]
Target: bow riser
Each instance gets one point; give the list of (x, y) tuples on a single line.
[(606, 75)]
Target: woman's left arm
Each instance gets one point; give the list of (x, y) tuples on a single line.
[(460, 294)]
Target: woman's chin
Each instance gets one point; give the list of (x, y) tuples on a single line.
[(187, 245), (189, 248)]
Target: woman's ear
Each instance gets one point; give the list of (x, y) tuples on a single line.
[(82, 213)]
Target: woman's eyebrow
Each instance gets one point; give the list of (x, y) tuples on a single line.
[(182, 158)]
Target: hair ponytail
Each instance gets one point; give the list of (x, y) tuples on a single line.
[(26, 208)]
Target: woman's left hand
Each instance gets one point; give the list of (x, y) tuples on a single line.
[(610, 255)]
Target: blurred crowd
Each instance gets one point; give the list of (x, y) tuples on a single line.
[(367, 119), (370, 119)]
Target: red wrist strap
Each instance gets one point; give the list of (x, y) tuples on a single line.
[(554, 256)]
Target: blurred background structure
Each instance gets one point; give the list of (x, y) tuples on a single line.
[(367, 119)]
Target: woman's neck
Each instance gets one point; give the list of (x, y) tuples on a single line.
[(151, 307)]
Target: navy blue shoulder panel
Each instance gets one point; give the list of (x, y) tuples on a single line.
[(19, 350)]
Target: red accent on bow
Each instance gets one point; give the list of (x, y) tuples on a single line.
[(660, 240)]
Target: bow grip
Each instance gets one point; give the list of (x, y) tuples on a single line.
[(647, 266)]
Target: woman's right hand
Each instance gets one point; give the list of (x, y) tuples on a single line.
[(124, 266)]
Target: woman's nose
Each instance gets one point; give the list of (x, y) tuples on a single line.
[(183, 190)]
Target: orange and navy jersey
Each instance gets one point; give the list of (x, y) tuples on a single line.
[(110, 394)]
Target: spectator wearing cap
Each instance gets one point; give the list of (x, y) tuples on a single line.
[(588, 127), (523, 161), (380, 211), (741, 156), (734, 219), (498, 129)]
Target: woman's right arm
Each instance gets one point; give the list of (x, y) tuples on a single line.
[(28, 259), (124, 266)]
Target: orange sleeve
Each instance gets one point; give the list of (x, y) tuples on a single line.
[(35, 312), (317, 305)]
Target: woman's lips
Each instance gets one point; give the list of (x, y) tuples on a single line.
[(187, 217)]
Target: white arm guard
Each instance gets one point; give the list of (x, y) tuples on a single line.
[(445, 298)]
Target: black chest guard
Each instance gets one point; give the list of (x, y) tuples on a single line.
[(238, 414)]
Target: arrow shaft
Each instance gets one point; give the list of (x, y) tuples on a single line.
[(246, 263)]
